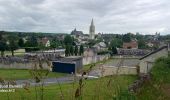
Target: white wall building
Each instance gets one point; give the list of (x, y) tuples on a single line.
[(146, 62)]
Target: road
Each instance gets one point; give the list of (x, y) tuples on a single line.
[(48, 81)]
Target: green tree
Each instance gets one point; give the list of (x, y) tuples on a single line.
[(53, 44), (76, 50), (31, 42), (34, 41), (3, 47), (1, 36), (126, 37), (21, 42), (13, 46), (142, 44), (114, 50), (67, 50), (68, 40), (116, 43), (81, 51), (41, 47), (91, 43), (71, 50)]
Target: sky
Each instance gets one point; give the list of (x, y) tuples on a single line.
[(62, 16)]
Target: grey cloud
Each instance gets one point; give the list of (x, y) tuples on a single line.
[(114, 16)]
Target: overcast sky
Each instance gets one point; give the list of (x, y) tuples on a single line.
[(110, 16)]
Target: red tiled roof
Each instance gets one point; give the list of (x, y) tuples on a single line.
[(132, 44)]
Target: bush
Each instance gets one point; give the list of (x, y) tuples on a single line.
[(161, 70), (31, 49), (103, 52)]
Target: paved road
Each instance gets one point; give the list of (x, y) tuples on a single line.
[(61, 80), (67, 79)]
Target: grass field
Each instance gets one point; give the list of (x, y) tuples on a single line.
[(15, 74), (97, 89), (19, 52)]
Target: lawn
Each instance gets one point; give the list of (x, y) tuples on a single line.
[(15, 74), (19, 52), (96, 89)]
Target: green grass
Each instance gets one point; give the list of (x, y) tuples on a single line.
[(159, 86), (96, 89), (19, 52), (15, 74)]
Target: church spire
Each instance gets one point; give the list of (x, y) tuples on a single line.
[(92, 23), (92, 30)]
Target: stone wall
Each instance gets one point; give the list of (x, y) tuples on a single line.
[(123, 70), (94, 59), (30, 64)]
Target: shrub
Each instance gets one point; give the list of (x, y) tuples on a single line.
[(31, 49), (161, 70)]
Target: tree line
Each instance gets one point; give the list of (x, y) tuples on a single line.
[(71, 48)]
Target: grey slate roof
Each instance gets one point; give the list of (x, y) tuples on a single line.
[(159, 49)]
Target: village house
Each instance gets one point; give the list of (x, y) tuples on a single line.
[(89, 52), (101, 46), (130, 45), (45, 41), (148, 60), (153, 43)]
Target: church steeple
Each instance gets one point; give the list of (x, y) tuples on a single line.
[(92, 30), (92, 23), (75, 29)]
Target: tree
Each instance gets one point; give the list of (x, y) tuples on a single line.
[(3, 47), (127, 37), (68, 40), (34, 41), (31, 42), (67, 50), (114, 50), (28, 43), (142, 44), (1, 36), (71, 50), (13, 46), (91, 43), (76, 50), (116, 43), (53, 44), (13, 43), (81, 51), (21, 42)]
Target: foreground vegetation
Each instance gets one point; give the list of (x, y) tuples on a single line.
[(159, 86), (97, 89)]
